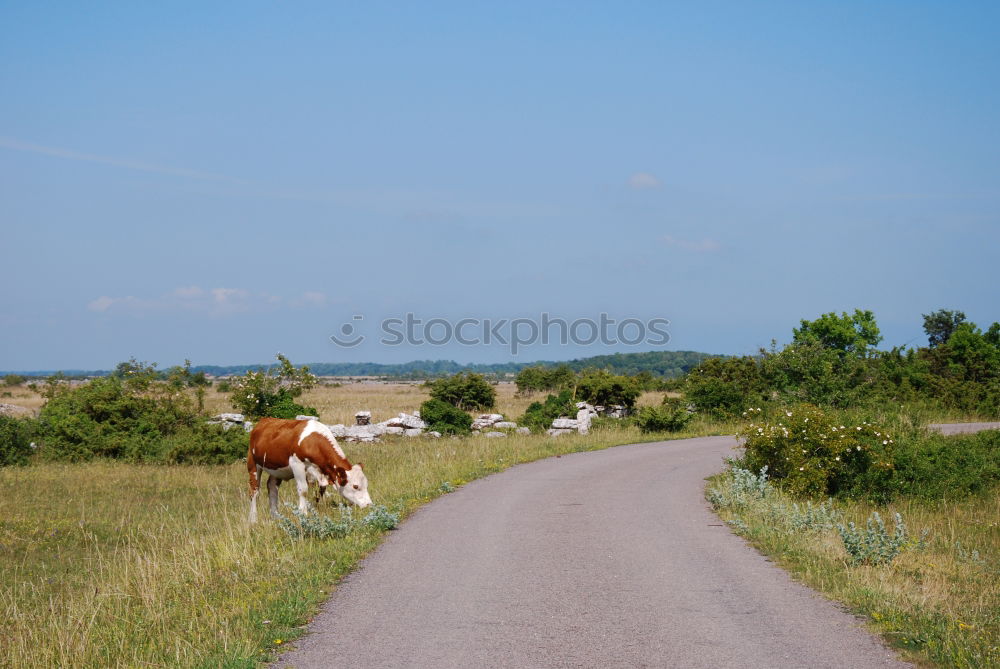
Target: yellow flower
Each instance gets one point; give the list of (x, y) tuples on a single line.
[(277, 641)]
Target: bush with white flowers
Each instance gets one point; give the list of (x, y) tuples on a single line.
[(810, 452)]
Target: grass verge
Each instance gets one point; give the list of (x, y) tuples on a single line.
[(937, 602)]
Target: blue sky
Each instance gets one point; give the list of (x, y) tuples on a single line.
[(222, 181)]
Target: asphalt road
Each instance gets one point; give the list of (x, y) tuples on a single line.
[(962, 428), (603, 559)]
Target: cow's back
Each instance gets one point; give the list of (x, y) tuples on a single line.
[(274, 440)]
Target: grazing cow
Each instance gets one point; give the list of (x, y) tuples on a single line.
[(288, 448)]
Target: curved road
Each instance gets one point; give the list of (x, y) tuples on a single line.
[(603, 559)]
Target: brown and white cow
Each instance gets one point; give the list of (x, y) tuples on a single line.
[(287, 448)]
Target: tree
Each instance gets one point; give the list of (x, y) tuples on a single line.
[(725, 387), (848, 335), (939, 325), (466, 391), (604, 388)]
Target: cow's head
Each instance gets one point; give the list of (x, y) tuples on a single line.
[(353, 486)]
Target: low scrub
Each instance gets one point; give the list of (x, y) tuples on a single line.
[(128, 417), (539, 415), (15, 440), (445, 418), (668, 417), (934, 467)]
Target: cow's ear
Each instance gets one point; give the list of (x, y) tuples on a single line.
[(341, 476)]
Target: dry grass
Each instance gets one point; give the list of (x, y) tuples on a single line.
[(22, 396)]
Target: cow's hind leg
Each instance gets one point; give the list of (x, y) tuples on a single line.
[(254, 489), (272, 493)]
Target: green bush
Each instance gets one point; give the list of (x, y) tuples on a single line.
[(531, 379), (445, 418), (539, 415), (812, 453), (127, 416), (204, 444), (15, 440), (260, 393), (725, 387), (665, 418), (936, 467), (602, 388), (284, 406), (468, 391)]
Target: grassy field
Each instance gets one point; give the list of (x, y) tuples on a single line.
[(110, 564), (938, 602)]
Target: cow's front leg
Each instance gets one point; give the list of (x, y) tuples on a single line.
[(301, 483), (272, 492)]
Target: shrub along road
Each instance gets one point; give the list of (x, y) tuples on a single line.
[(610, 558)]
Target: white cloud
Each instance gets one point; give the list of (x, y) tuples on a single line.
[(314, 298), (703, 246), (644, 181), (56, 152), (188, 292), (228, 296), (103, 303), (212, 302)]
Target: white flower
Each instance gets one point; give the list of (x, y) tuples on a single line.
[(858, 448), (859, 428), (885, 441), (802, 469), (837, 458), (788, 413)]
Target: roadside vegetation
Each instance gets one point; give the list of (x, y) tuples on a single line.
[(842, 484), (123, 532)]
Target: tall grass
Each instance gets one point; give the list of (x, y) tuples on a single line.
[(116, 565)]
